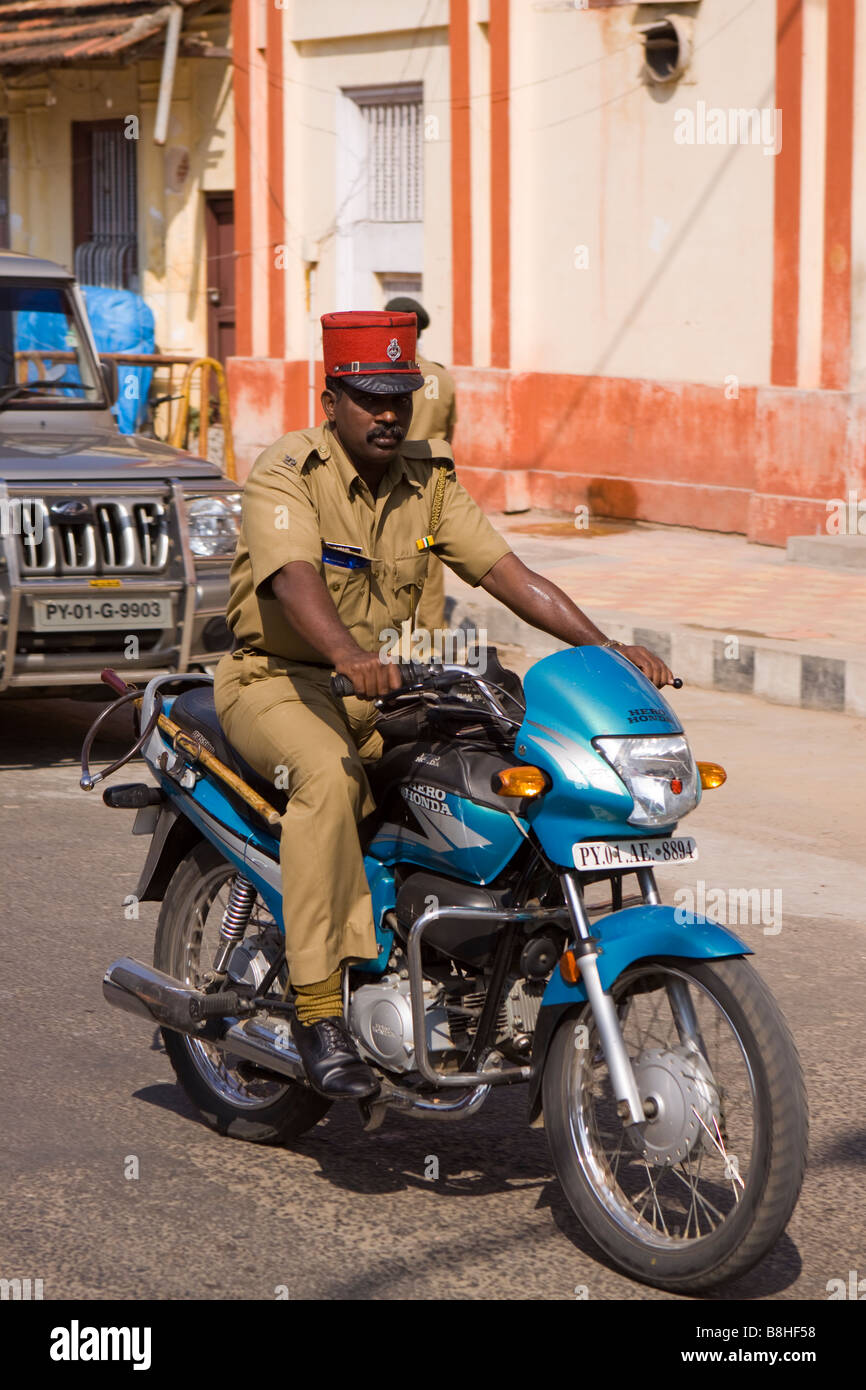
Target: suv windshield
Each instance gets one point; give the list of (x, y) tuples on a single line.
[(43, 357)]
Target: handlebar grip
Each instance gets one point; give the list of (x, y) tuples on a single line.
[(341, 685), (410, 672), (116, 682)]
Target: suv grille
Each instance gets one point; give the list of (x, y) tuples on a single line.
[(123, 538)]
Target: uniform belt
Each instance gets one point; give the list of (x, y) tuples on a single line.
[(275, 656)]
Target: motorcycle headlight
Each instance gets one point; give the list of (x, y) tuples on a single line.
[(214, 524), (660, 774)]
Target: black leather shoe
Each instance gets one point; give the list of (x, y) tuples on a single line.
[(331, 1060)]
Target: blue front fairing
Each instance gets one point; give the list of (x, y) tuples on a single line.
[(573, 697)]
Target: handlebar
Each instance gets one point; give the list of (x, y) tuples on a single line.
[(414, 673)]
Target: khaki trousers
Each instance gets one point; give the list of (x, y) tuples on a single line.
[(282, 717)]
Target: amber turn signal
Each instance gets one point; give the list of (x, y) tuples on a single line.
[(569, 968), (520, 781), (711, 774)]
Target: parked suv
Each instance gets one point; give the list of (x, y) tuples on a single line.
[(114, 549)]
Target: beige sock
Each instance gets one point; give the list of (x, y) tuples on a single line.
[(321, 1000)]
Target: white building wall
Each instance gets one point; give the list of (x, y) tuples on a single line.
[(812, 173), (479, 81), (679, 238), (329, 49)]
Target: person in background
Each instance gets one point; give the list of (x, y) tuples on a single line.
[(434, 415)]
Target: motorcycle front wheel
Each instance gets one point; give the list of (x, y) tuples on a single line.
[(702, 1190), (232, 1097)]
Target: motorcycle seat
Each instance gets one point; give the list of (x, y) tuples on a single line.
[(195, 713)]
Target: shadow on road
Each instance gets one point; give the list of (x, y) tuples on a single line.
[(171, 1098), (49, 733), (847, 1150), (472, 1159)]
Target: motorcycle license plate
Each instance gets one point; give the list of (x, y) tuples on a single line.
[(49, 615), (631, 854)]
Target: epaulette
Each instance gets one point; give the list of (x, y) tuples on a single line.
[(294, 450), (437, 451)]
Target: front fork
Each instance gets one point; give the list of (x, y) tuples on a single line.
[(631, 1108)]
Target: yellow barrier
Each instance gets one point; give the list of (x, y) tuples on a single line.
[(181, 425)]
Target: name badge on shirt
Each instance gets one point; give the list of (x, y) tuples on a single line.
[(347, 557)]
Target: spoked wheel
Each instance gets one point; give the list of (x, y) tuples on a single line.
[(700, 1191), (233, 1097)]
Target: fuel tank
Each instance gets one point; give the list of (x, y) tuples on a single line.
[(437, 808)]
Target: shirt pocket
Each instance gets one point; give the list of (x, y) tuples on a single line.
[(349, 589)]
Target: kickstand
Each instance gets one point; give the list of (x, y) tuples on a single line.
[(372, 1114)]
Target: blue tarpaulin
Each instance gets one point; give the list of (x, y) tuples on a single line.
[(122, 322)]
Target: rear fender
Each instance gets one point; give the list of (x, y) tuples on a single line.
[(637, 933), (172, 839)]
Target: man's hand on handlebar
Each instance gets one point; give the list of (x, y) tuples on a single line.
[(646, 661), (370, 676)]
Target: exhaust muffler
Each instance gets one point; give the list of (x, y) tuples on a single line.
[(151, 994), (140, 989)]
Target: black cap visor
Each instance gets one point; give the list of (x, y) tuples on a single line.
[(383, 383)]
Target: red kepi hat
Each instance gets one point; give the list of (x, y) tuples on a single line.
[(371, 350)]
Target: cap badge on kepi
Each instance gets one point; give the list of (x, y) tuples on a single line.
[(393, 349)]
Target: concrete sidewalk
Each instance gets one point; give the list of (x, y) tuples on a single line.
[(724, 614)]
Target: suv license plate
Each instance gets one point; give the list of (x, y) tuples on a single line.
[(50, 615), (629, 854)]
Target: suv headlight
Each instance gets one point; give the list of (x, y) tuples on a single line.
[(214, 524), (660, 774)]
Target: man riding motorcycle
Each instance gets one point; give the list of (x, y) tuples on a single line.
[(338, 522)]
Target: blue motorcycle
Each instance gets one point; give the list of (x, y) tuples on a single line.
[(520, 940)]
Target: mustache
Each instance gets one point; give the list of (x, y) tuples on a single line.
[(386, 432)]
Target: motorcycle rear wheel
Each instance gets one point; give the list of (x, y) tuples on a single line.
[(698, 1197), (256, 1107)]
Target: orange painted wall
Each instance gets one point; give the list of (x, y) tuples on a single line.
[(461, 181), (269, 397), (788, 173), (764, 465), (836, 346)]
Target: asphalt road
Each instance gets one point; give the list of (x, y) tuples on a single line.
[(346, 1215)]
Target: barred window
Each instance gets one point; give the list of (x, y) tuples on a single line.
[(105, 205), (394, 152)]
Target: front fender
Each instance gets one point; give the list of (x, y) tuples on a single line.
[(635, 933), (651, 929)]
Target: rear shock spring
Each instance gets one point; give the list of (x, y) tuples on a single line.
[(238, 908), (235, 920)]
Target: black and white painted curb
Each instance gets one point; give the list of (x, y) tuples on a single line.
[(818, 676)]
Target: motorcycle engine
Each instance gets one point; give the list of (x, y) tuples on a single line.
[(380, 1019)]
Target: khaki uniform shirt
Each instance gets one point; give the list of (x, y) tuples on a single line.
[(303, 491), (434, 406)]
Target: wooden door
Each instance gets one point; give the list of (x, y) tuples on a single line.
[(220, 238)]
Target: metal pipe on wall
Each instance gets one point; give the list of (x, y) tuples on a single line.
[(166, 79)]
